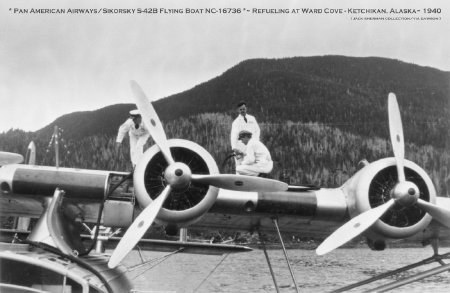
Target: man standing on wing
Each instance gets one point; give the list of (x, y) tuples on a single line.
[(246, 122), (138, 133)]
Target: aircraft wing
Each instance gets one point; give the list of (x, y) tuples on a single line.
[(311, 213), (302, 211)]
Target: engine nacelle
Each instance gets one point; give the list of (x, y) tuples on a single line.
[(187, 204), (372, 186)]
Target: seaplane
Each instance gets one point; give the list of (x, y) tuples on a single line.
[(177, 184)]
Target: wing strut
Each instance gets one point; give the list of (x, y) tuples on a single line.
[(261, 238), (275, 222)]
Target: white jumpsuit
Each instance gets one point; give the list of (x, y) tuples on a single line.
[(138, 138), (238, 125), (257, 159)]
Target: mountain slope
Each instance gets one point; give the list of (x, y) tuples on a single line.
[(350, 93), (345, 92), (78, 125)]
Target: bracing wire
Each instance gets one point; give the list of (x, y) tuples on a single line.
[(211, 272), (155, 262)]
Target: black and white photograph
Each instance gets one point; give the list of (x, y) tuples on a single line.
[(224, 146)]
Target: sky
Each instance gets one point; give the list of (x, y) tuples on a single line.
[(53, 64)]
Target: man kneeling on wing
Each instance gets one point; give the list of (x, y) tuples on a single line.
[(257, 158)]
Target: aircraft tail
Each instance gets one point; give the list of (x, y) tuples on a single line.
[(30, 157)]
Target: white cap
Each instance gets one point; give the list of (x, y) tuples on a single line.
[(135, 112)]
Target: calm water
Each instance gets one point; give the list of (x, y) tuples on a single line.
[(248, 272)]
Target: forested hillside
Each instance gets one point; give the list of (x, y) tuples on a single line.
[(343, 92), (304, 153)]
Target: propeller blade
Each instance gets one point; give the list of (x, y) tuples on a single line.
[(241, 183), (7, 158), (138, 229), (353, 228), (151, 121), (396, 132), (440, 214)]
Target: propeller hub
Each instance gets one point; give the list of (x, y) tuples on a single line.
[(178, 175), (406, 193)]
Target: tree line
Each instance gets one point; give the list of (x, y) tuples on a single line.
[(303, 153)]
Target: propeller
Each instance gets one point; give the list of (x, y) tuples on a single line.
[(138, 229), (7, 158), (404, 192), (440, 214), (396, 132), (352, 228), (151, 121), (177, 176), (241, 182)]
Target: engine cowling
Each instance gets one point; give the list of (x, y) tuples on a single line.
[(186, 204), (372, 186)]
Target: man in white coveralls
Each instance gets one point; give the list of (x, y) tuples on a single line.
[(138, 133), (244, 121), (257, 157)]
